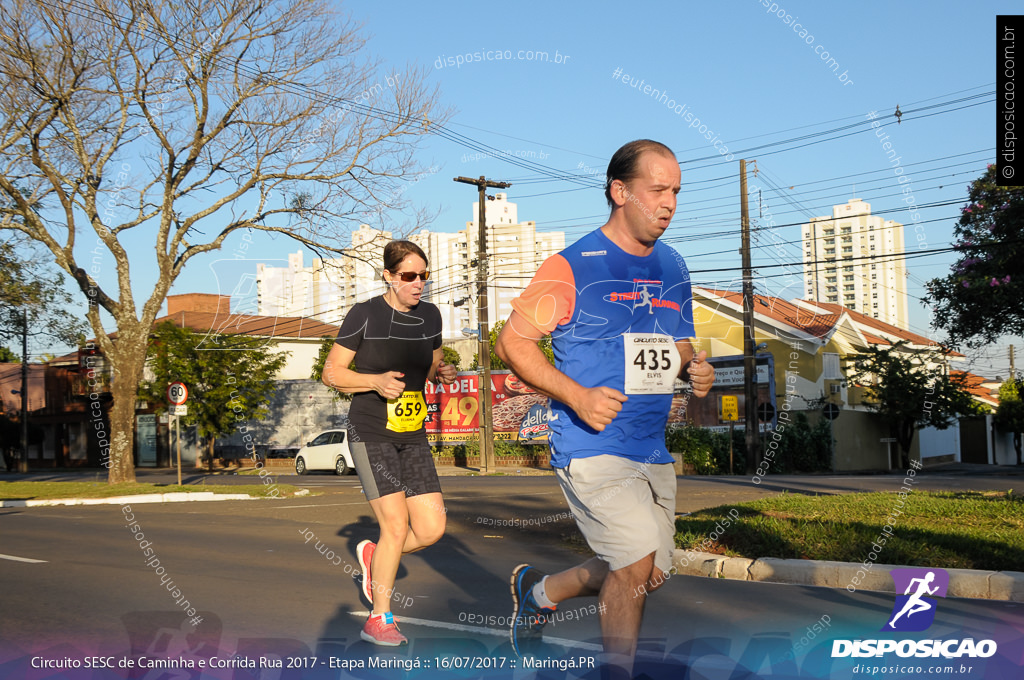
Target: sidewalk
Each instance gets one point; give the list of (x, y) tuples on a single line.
[(969, 583)]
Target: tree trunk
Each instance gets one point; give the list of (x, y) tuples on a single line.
[(209, 452), (127, 361), (1016, 445), (905, 437)]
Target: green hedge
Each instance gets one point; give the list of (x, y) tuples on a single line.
[(800, 447)]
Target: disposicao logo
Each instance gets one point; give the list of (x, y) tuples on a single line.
[(914, 611)]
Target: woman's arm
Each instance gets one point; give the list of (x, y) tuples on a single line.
[(338, 375)]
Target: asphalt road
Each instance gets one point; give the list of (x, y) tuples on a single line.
[(254, 574)]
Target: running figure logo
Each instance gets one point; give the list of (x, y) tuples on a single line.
[(645, 300), (914, 611)]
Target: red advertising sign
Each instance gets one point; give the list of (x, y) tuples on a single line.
[(453, 411)]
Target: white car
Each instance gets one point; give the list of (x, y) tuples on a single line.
[(327, 451)]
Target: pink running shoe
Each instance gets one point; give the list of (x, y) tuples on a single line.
[(364, 551), (382, 630)]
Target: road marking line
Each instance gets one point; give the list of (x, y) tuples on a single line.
[(21, 559), (461, 628)]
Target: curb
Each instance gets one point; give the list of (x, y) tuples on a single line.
[(176, 497), (968, 583)]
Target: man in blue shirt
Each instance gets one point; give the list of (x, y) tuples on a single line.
[(618, 307)]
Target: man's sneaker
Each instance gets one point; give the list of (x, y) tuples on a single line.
[(364, 552), (382, 630), (528, 617)]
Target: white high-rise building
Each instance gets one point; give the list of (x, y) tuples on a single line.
[(855, 259), (515, 250), (328, 289)]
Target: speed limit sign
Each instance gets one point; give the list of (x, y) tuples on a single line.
[(177, 393)]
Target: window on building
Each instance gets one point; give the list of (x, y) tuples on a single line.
[(833, 298), (871, 237), (873, 266), (847, 277), (872, 246), (830, 366), (874, 295), (847, 249), (848, 286)]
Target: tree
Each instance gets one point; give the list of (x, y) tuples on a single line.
[(317, 372), (1010, 414), (190, 121), (980, 299), (230, 378), (32, 294), (451, 356), (497, 364), (8, 357), (911, 389)]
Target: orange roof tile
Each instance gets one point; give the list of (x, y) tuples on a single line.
[(245, 324), (974, 384)]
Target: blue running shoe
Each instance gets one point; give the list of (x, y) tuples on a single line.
[(528, 617)]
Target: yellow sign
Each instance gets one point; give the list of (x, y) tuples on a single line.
[(730, 408)]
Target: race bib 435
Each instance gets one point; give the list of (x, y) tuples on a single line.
[(651, 363)]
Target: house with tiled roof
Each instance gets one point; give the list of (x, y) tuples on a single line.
[(299, 409), (814, 346)]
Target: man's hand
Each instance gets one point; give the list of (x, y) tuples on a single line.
[(446, 373), (702, 374), (388, 384), (598, 406)]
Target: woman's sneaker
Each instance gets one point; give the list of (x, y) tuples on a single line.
[(364, 552), (381, 629)]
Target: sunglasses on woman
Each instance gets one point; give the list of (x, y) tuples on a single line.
[(409, 277)]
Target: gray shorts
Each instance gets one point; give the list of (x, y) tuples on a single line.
[(624, 508), (385, 468)]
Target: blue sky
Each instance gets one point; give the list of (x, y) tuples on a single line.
[(747, 75)]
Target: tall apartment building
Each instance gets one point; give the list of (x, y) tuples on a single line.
[(328, 289), (850, 259), (515, 250)]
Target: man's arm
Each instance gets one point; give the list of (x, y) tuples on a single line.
[(517, 347), (695, 369)]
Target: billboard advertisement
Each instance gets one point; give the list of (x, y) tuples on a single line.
[(453, 411)]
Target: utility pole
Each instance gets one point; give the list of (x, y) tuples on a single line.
[(23, 462), (751, 438), (486, 426), (1013, 369)]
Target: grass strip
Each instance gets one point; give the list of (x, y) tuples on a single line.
[(51, 490), (948, 530)]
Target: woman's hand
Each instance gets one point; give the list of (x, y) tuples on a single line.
[(446, 373), (388, 384)]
